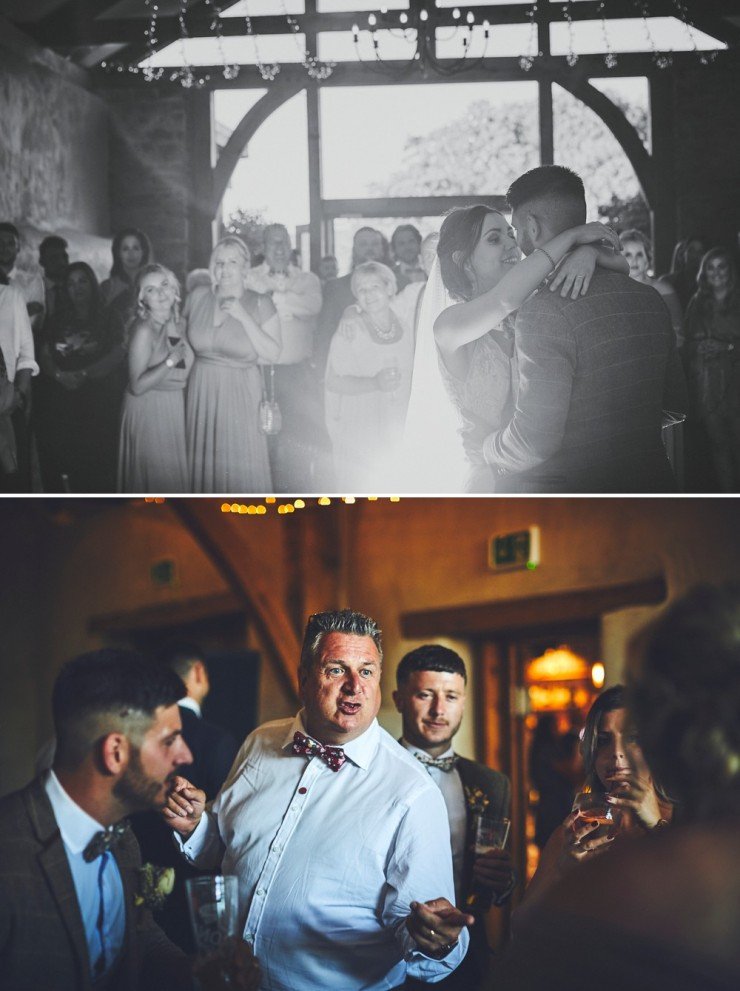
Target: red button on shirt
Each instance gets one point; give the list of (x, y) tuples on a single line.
[(302, 791)]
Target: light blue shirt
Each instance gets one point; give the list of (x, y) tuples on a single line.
[(328, 862), (77, 828), (451, 786)]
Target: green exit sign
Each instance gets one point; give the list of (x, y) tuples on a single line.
[(520, 549)]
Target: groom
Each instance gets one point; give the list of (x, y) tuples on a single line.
[(595, 372)]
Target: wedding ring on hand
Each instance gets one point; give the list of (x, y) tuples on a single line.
[(432, 933)]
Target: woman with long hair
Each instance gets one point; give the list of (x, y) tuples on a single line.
[(152, 455), (638, 250), (713, 355), (614, 768), (464, 376), (131, 251)]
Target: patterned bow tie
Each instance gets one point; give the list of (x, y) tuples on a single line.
[(333, 757), (105, 839), (441, 763)]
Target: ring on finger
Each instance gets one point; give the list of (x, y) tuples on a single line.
[(432, 933)]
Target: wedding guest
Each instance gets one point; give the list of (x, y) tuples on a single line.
[(213, 750), (368, 244), (232, 330), (328, 268), (596, 371), (30, 283), (638, 251), (614, 767), (368, 376), (297, 299), (465, 372), (18, 365), (406, 249), (687, 256), (78, 401), (661, 911), (713, 350), (337, 836), (152, 454), (54, 260), (430, 696), (69, 866), (131, 250)]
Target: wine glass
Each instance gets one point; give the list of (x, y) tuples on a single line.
[(174, 340), (593, 809)]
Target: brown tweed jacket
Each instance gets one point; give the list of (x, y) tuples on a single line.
[(42, 937)]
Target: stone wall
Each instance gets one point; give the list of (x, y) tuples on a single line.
[(149, 182), (53, 151)]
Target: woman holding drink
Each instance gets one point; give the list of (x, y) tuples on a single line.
[(151, 455), (620, 799)]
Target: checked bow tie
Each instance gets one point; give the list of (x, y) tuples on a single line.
[(441, 763), (333, 757), (105, 840)]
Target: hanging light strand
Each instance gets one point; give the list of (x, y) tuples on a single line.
[(527, 61), (610, 58), (314, 66), (268, 70), (572, 57)]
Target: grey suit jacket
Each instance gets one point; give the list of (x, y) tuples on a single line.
[(594, 376), (42, 936)]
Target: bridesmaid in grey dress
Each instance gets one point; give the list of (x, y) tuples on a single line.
[(232, 330), (152, 455)]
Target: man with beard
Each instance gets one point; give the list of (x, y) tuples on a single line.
[(431, 699), (338, 837), (69, 865)]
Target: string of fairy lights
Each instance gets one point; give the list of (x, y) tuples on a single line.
[(419, 27), (283, 507)]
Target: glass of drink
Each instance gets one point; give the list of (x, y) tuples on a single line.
[(174, 340), (213, 904), (491, 833), (593, 808)]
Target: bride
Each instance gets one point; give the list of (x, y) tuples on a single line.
[(464, 378)]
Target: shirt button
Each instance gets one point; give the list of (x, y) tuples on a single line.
[(302, 791), (260, 892)]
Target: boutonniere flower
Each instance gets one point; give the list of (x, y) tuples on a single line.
[(155, 884), (476, 799)]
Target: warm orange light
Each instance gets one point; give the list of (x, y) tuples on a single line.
[(372, 498), (560, 664), (225, 507), (598, 673), (324, 501), (235, 507), (348, 499), (395, 498), (261, 510), (270, 500), (299, 504)]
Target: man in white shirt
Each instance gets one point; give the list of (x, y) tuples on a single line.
[(31, 284), (406, 249), (338, 837), (69, 866), (431, 699), (297, 298), (17, 365)]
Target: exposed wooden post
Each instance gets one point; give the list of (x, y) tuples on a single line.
[(201, 209), (314, 173), (663, 199), (218, 536)]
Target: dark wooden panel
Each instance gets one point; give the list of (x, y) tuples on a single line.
[(494, 618)]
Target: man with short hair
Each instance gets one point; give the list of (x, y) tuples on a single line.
[(69, 867), (595, 372), (430, 696), (54, 260), (406, 248), (297, 298), (338, 837)]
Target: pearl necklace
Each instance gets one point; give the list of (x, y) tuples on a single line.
[(394, 331)]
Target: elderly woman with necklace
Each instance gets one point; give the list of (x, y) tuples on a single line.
[(368, 377)]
